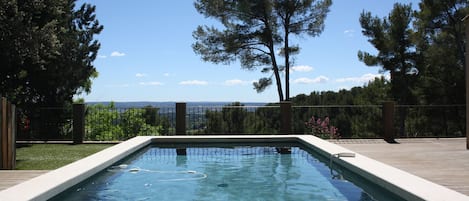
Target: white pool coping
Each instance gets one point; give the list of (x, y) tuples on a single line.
[(402, 183)]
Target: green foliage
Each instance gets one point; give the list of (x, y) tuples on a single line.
[(47, 51), (215, 123), (356, 112), (133, 124), (102, 123), (268, 120), (236, 119), (234, 116), (392, 36), (255, 30), (230, 120), (107, 123), (441, 38), (152, 118), (321, 128), (426, 61)]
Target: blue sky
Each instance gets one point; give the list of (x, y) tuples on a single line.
[(146, 55)]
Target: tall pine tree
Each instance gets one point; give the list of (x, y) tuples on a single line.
[(392, 37), (254, 31)]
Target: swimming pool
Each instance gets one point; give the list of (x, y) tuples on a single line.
[(408, 186), (236, 172)]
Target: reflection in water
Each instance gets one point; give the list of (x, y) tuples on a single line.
[(237, 173)]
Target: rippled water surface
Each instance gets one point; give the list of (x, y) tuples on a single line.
[(235, 173)]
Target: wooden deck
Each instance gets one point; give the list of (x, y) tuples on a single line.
[(10, 178), (442, 161)]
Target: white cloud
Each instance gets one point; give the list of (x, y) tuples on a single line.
[(304, 80), (362, 79), (140, 75), (235, 82), (193, 82), (349, 32), (166, 74), (151, 83), (118, 85), (302, 68), (102, 56), (117, 54)]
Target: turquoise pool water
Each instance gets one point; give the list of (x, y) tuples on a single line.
[(231, 173)]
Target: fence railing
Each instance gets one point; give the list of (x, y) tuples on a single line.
[(430, 120), (108, 123), (47, 124), (229, 120), (352, 121)]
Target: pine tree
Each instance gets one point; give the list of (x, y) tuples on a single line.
[(254, 31)]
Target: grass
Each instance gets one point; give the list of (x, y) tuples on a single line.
[(53, 156)]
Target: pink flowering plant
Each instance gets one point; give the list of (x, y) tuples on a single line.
[(321, 128)]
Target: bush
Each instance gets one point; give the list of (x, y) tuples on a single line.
[(106, 123), (322, 129)]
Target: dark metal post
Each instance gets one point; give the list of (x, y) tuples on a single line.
[(388, 121), (78, 123), (181, 124), (286, 117), (180, 118)]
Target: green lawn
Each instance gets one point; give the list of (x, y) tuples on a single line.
[(53, 156)]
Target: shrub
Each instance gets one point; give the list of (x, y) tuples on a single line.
[(322, 129)]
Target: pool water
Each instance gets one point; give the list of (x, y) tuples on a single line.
[(233, 173)]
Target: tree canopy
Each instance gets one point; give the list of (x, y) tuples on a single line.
[(423, 51), (392, 37), (48, 49), (441, 39), (256, 33)]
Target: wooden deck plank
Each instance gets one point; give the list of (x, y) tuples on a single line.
[(10, 178), (442, 161)]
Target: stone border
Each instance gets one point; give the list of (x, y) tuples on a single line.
[(54, 182), (397, 181), (402, 183)]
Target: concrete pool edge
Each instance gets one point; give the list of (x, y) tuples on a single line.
[(52, 183), (402, 183)]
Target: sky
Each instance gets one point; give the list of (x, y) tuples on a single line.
[(146, 55)]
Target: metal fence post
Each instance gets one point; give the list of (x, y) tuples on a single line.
[(286, 117), (78, 123), (180, 118), (388, 121)]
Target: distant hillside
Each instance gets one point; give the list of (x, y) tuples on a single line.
[(170, 104)]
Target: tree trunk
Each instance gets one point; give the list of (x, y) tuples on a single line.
[(287, 64), (277, 77), (273, 59)]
